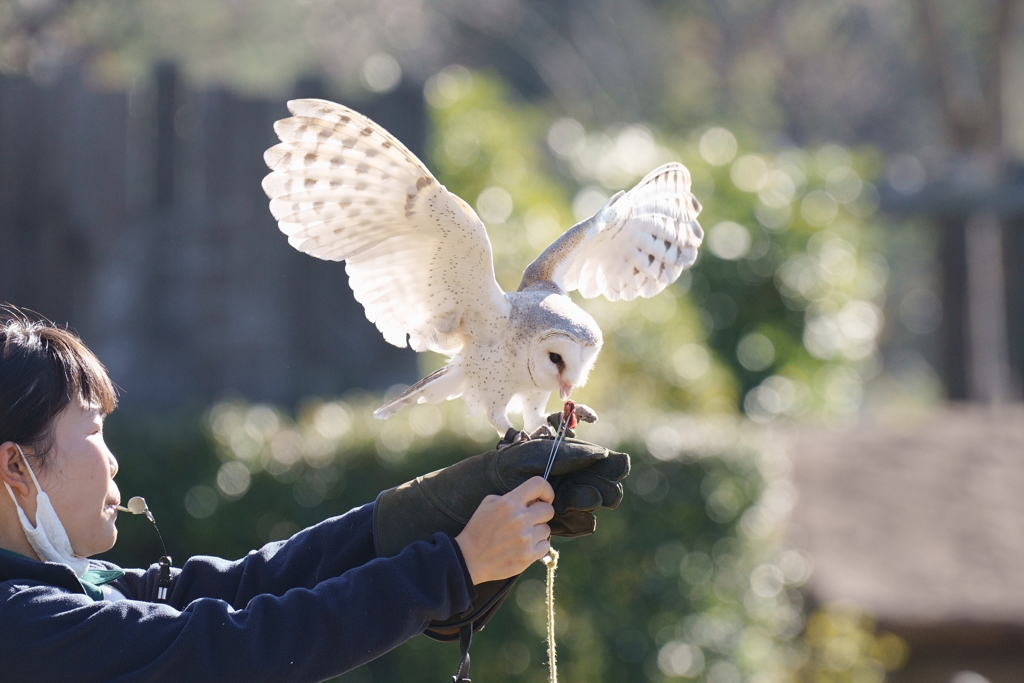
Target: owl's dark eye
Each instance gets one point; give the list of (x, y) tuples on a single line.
[(555, 358)]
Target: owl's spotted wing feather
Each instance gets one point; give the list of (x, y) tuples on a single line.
[(417, 256), (637, 245)]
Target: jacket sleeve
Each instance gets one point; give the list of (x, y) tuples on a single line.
[(325, 550), (305, 633)]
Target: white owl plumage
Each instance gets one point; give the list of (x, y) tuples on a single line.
[(419, 261)]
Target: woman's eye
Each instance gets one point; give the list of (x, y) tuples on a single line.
[(555, 358)]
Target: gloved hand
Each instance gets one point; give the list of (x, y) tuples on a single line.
[(584, 476), (579, 494)]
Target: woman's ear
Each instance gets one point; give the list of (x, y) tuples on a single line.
[(13, 471)]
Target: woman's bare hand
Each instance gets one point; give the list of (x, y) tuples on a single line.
[(508, 533)]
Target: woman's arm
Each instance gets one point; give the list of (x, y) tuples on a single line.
[(304, 634), (320, 552)]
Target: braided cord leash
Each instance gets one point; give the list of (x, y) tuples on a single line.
[(551, 560)]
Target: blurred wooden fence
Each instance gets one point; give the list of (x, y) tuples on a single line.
[(138, 218), (980, 238)]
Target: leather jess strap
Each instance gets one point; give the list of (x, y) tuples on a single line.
[(465, 638)]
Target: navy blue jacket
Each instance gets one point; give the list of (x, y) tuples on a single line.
[(300, 610)]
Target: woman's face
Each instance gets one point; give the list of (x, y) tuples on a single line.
[(80, 480)]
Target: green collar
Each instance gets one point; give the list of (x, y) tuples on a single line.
[(91, 580), (94, 578)]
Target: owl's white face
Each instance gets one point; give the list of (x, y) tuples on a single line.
[(560, 363)]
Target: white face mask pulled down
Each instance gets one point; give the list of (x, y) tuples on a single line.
[(48, 537)]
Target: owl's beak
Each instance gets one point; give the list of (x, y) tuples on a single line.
[(564, 390)]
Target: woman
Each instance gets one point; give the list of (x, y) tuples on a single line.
[(438, 552)]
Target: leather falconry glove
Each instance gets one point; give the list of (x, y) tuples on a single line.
[(585, 477)]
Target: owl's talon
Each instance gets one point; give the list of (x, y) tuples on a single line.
[(541, 432), (512, 436)]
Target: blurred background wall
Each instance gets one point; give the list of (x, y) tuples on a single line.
[(139, 216)]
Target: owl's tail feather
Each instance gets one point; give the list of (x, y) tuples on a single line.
[(440, 385)]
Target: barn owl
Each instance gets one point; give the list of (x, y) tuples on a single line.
[(419, 261)]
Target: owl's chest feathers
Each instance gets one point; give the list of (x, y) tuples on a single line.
[(501, 367)]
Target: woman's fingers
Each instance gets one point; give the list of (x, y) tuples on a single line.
[(534, 488), (539, 512), (508, 533)]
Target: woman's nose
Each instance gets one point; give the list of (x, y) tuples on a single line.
[(113, 464)]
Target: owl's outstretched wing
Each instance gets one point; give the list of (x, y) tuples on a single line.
[(638, 244), (418, 257)]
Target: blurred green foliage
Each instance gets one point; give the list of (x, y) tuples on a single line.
[(843, 647)]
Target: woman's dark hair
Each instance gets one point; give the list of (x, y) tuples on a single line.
[(43, 368)]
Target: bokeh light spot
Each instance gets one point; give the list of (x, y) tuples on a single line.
[(448, 86), (718, 146), (755, 352), (566, 137), (843, 184), (748, 172), (818, 208), (691, 361), (494, 205), (381, 73), (588, 201), (201, 501), (728, 240), (233, 479), (677, 658), (515, 657)]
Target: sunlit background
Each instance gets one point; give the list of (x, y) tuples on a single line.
[(821, 413)]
